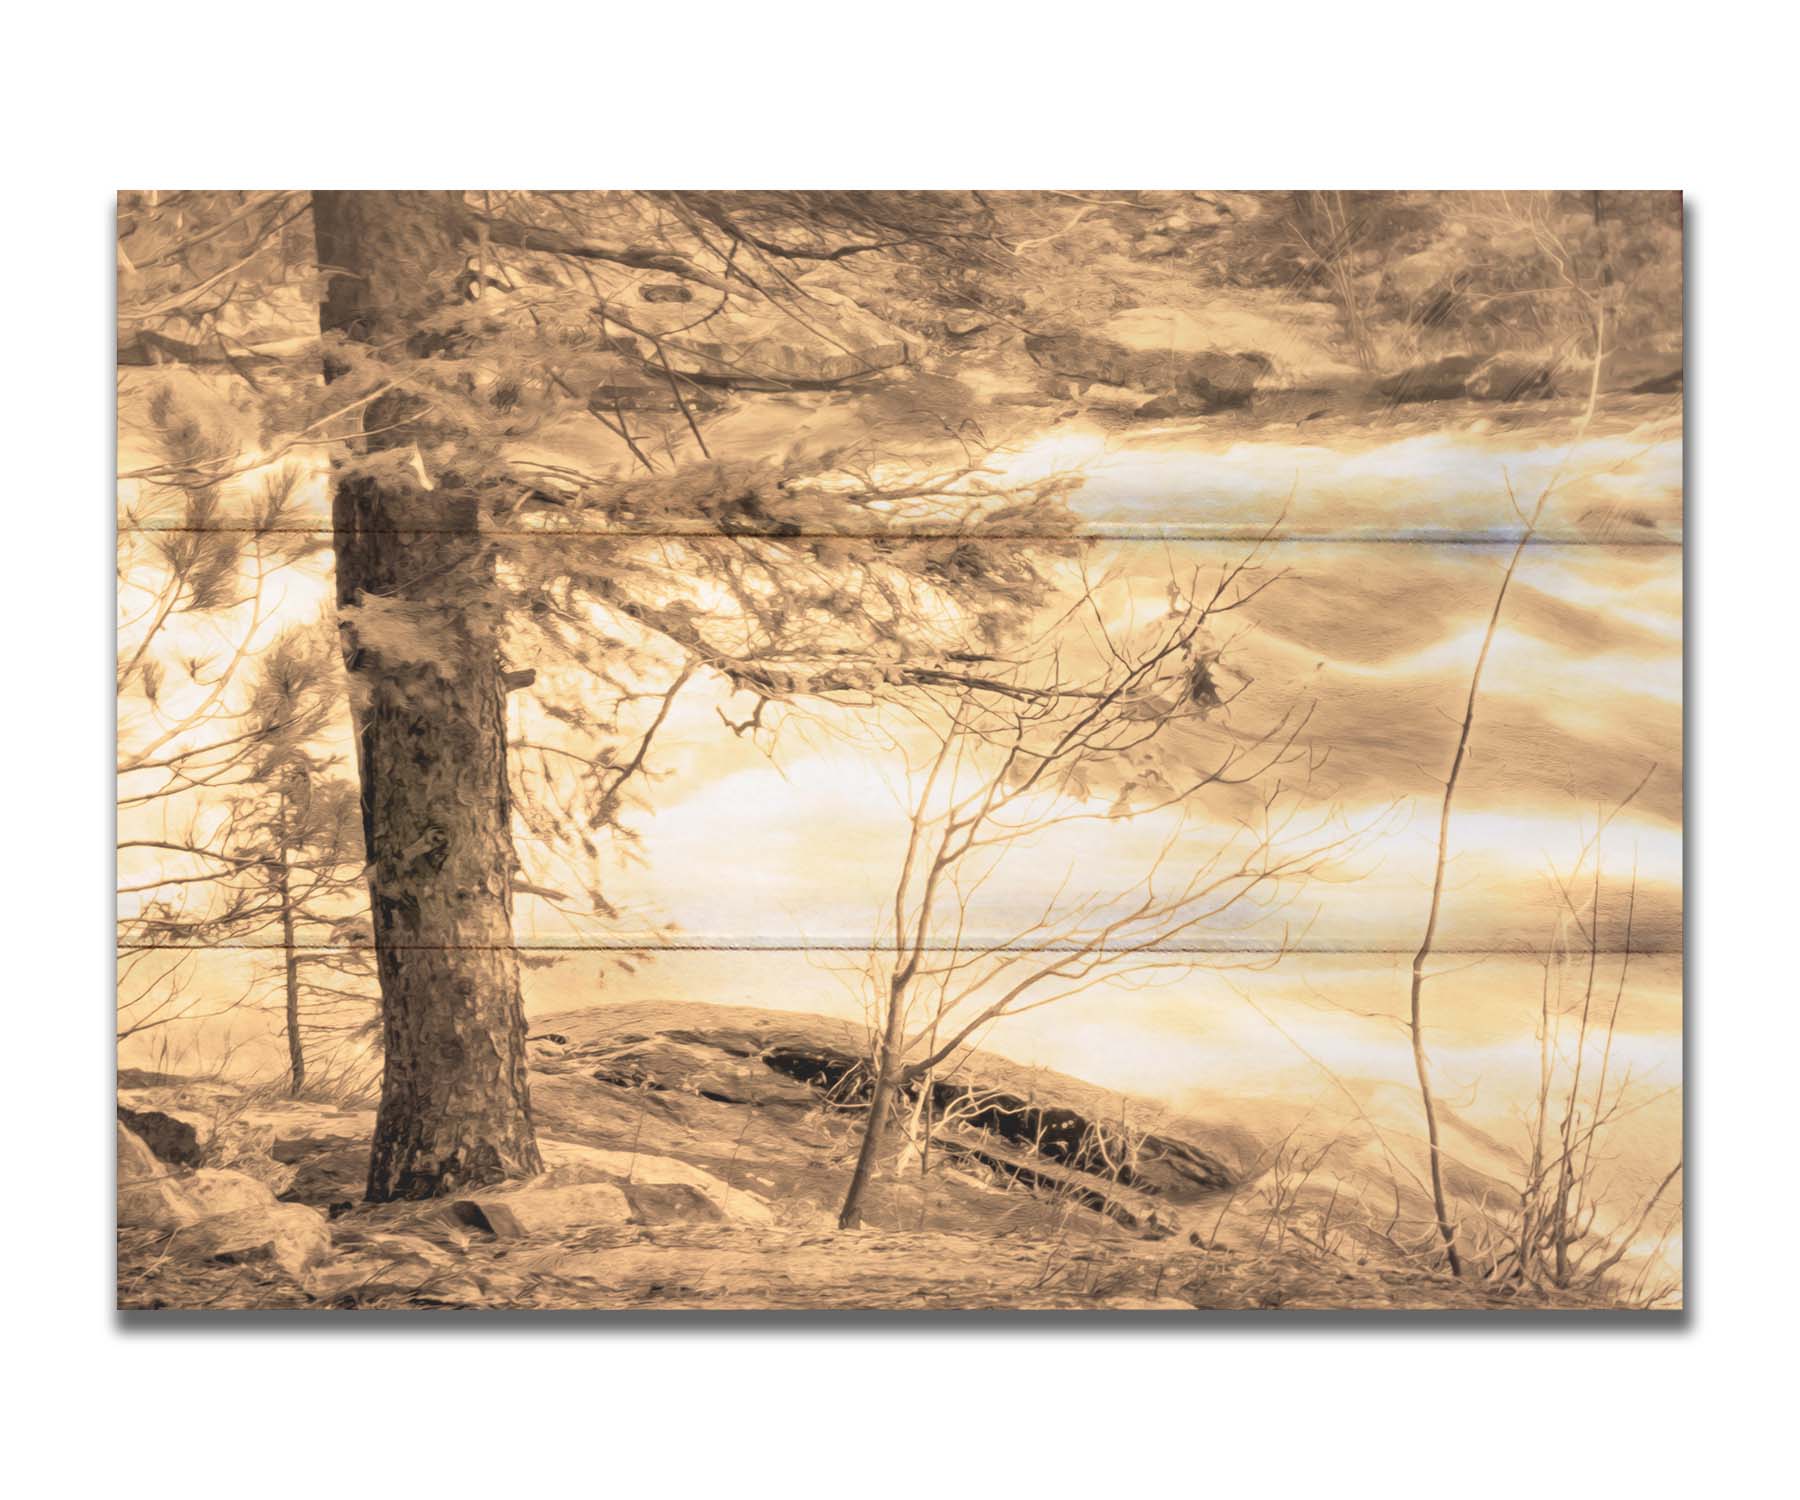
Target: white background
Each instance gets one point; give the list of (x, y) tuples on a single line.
[(1349, 95)]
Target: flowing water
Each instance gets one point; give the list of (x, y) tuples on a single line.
[(772, 863)]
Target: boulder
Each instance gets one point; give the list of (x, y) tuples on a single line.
[(149, 1197), (217, 1215), (1220, 381), (585, 1186), (539, 1208), (288, 1235), (671, 1203), (709, 1198), (176, 1136)]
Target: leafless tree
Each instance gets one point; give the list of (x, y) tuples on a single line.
[(1121, 728), (1565, 1227), (1416, 1005)]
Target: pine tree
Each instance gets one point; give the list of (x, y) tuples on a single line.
[(542, 412), (296, 837), (274, 851)]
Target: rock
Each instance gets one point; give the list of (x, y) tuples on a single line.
[(149, 1197), (671, 1203), (288, 1234), (1152, 1161), (698, 1068), (1191, 383), (176, 1136), (1220, 381), (1444, 379), (296, 1148), (297, 1131), (218, 1215), (213, 1191), (570, 1105), (149, 1193), (303, 1151), (1163, 408), (585, 1186), (535, 1208), (326, 1177), (239, 1147), (569, 1162), (734, 1040)]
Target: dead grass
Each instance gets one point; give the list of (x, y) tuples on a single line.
[(728, 1268)]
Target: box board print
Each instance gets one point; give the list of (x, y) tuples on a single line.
[(1057, 750)]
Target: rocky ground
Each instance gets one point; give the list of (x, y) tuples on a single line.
[(696, 1157)]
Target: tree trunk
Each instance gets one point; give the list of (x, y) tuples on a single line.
[(430, 720), (291, 961), (888, 1079)]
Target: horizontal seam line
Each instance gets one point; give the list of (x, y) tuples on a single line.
[(627, 946), (1149, 531)]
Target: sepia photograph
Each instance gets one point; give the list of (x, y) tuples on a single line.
[(1065, 750)]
